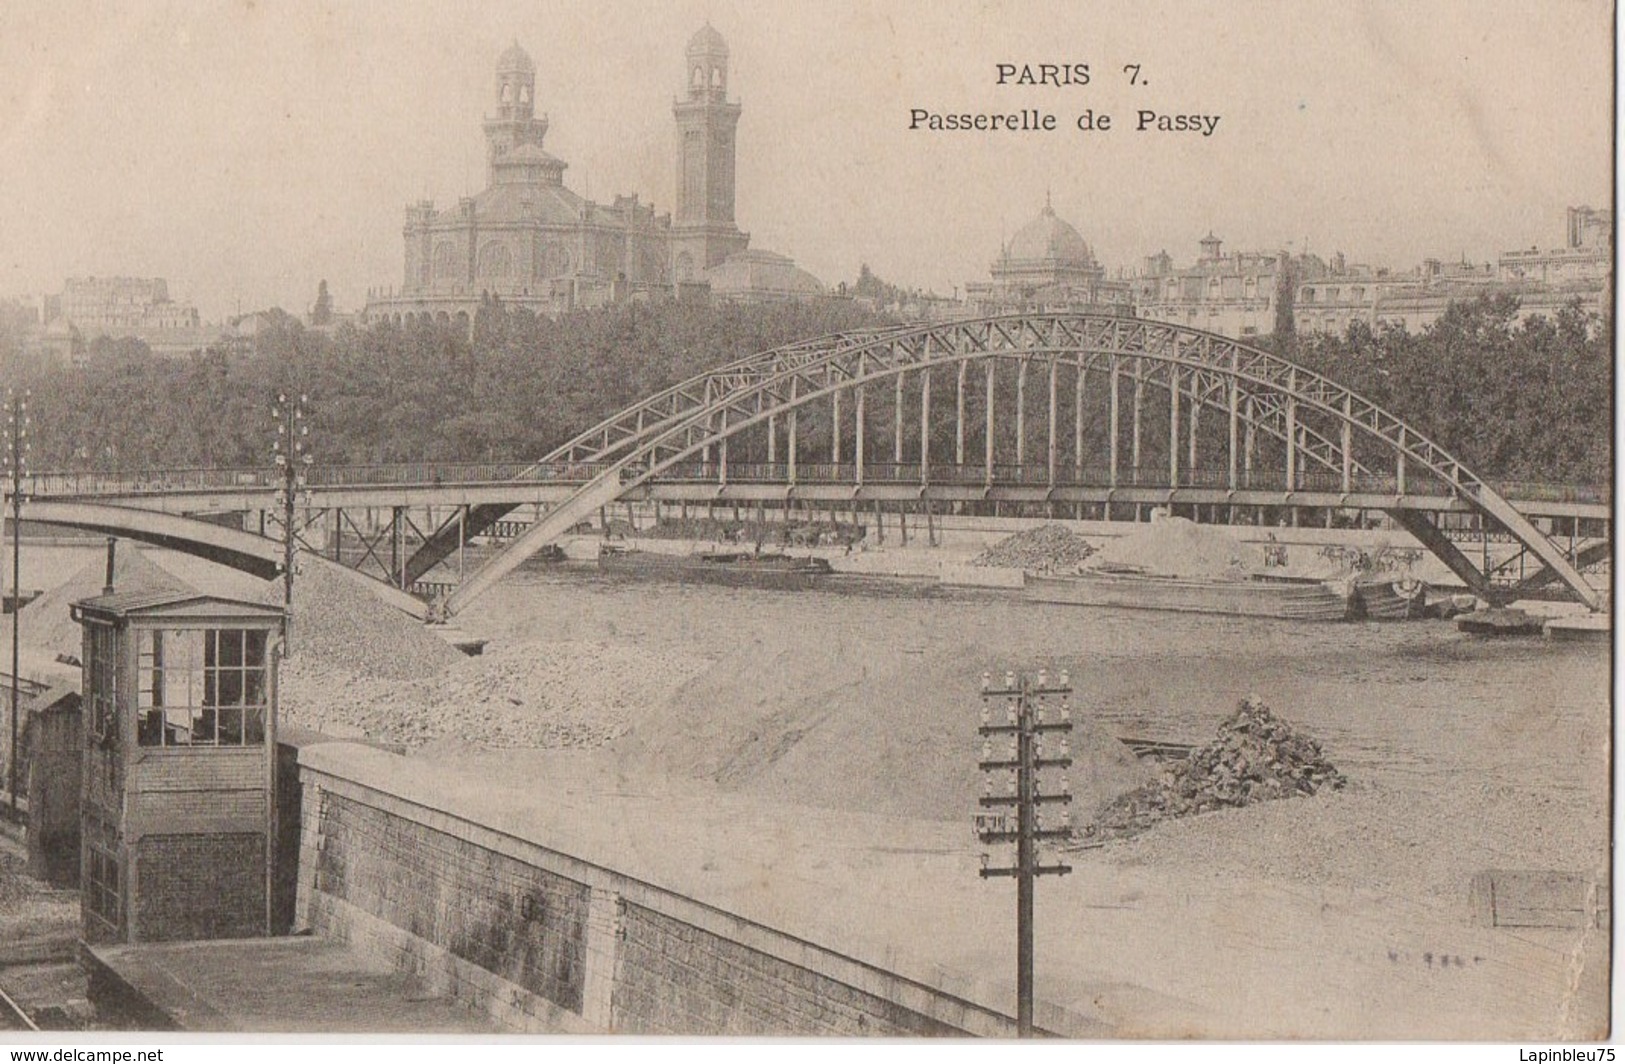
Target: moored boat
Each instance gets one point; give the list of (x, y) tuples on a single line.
[(763, 569), (1388, 598), (1243, 596)]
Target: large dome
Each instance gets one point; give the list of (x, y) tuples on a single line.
[(515, 60), (1049, 238)]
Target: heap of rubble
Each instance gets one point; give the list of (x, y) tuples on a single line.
[(1045, 549), (1256, 757)]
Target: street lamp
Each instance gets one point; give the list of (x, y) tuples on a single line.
[(293, 460), (16, 466), (1014, 746)]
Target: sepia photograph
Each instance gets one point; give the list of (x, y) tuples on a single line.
[(840, 519)]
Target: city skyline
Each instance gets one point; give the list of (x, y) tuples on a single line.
[(171, 140)]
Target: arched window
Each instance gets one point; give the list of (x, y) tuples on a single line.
[(445, 261), (524, 94), (507, 93), (495, 260), (716, 77), (698, 80), (555, 261)]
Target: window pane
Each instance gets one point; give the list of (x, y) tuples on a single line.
[(203, 726), (183, 648), (255, 652), (149, 728), (254, 727), (231, 647), (231, 727), (230, 688), (177, 726), (254, 687)]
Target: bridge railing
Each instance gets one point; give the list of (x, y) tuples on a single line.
[(1029, 474), (168, 481)]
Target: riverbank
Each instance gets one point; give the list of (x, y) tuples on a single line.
[(812, 762)]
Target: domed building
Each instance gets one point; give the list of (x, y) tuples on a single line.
[(1048, 265), (531, 241), (761, 277)]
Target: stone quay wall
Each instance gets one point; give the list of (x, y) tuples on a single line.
[(544, 942)]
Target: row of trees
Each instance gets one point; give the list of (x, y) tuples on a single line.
[(419, 392), (1513, 400), (1530, 400)]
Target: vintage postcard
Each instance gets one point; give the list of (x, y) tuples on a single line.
[(840, 519)]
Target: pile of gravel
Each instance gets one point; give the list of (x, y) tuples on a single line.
[(1048, 548), (338, 621), (1256, 757)]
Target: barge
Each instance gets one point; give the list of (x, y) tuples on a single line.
[(1243, 596), (768, 570)]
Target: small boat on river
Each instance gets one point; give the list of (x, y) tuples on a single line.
[(759, 569), (1388, 598)]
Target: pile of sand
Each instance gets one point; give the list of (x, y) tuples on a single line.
[(46, 624), (544, 695), (1174, 546)]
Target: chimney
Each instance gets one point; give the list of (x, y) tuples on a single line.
[(112, 549)]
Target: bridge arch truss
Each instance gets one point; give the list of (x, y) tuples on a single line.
[(987, 400)]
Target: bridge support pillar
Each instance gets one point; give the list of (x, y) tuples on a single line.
[(925, 425), (1113, 426), (1052, 457), (1134, 443), (1021, 414), (858, 432), (1077, 428), (835, 427), (987, 429), (897, 420), (1173, 428), (959, 414)]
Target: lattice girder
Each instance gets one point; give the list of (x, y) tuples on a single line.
[(715, 406)]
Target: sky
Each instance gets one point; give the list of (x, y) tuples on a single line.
[(246, 149)]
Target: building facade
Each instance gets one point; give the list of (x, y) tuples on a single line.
[(532, 242), (1234, 294), (111, 306)]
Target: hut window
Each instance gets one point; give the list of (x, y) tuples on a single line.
[(102, 893), (202, 687), (103, 682)]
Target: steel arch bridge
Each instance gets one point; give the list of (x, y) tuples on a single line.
[(1285, 433)]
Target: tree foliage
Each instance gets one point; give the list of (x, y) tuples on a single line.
[(1528, 400), (1513, 400), (518, 386)]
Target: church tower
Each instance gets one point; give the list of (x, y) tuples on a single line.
[(514, 125), (703, 231)]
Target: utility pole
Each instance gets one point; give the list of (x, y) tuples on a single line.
[(292, 459), (16, 462), (1033, 710)]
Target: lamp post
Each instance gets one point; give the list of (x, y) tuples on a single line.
[(16, 463), (1033, 710), (292, 459)]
